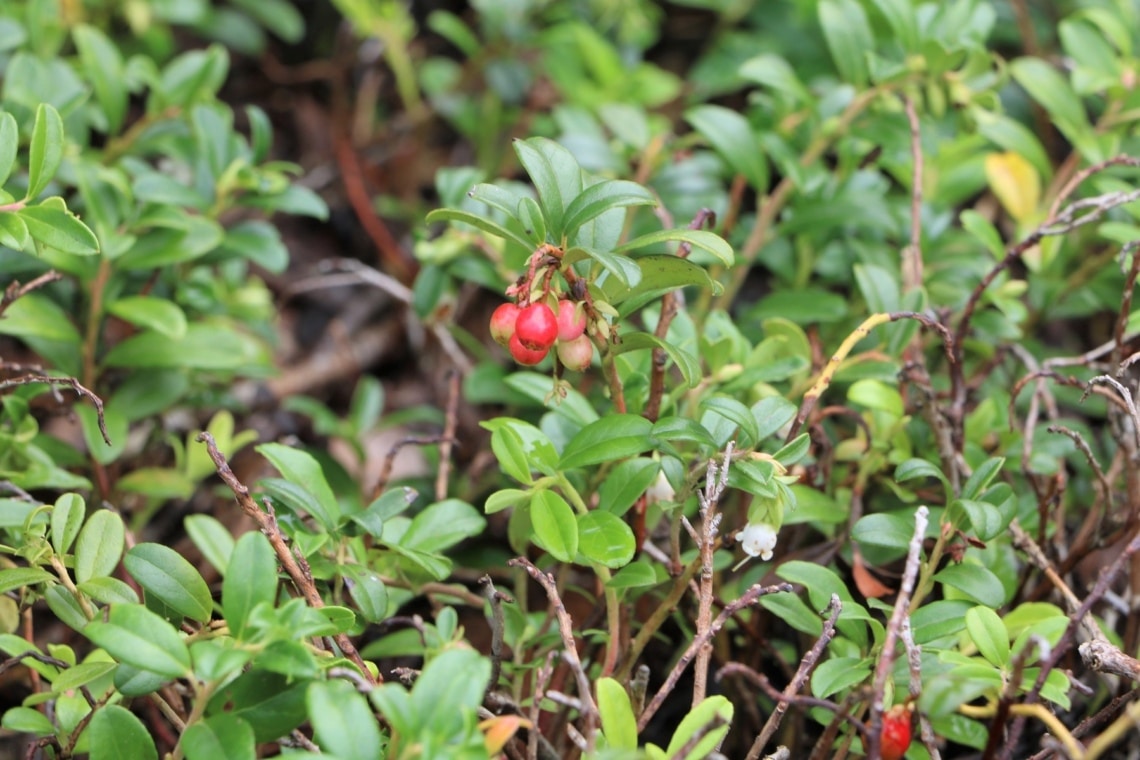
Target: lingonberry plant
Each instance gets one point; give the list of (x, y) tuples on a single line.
[(787, 404)]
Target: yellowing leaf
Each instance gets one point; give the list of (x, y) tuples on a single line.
[(1015, 182)]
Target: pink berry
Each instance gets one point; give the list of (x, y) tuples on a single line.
[(571, 321), (503, 323), (524, 355), (536, 327), (576, 354)]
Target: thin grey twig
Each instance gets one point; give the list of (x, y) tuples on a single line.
[(900, 611), (570, 649), (748, 597), (715, 484), (807, 664), (496, 598)]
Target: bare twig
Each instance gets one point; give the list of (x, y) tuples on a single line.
[(1125, 395), (15, 290), (570, 649), (295, 564), (715, 484), (912, 253), (807, 664), (748, 597), (898, 614), (70, 382), (496, 598), (799, 700), (451, 422), (914, 665)]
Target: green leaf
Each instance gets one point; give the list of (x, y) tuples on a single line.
[(66, 520), (1045, 85), (45, 151), (688, 364), (114, 733), (982, 229), (660, 274), (699, 719), (250, 579), (599, 198), (624, 270), (268, 702), (100, 545), (12, 578), (478, 222), (557, 179), (989, 635), (159, 314), (612, 437), (976, 582), (702, 239), (626, 483), (913, 469), (304, 471), (892, 530), (107, 590), (219, 737), (59, 229), (555, 528), (9, 142), (103, 64), (838, 674), (774, 72), (737, 414), (450, 688), (27, 720), (367, 590), (507, 446), (34, 315), (618, 723), (203, 347), (731, 136), (901, 17), (985, 518), (136, 636), (877, 395), (343, 723), (792, 610), (442, 525), (634, 575), (771, 414), (168, 577), (982, 477), (849, 38), (605, 538), (212, 539)]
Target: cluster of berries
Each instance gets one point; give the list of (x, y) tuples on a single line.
[(529, 331)]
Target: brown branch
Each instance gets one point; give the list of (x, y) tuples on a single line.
[(498, 624), (898, 614), (70, 382), (450, 424), (706, 539), (807, 664), (912, 253), (799, 700), (295, 564), (15, 290), (730, 609), (570, 649)]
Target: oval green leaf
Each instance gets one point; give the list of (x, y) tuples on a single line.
[(166, 575), (555, 528), (605, 538)]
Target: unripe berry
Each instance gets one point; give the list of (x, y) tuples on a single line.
[(895, 739), (571, 321), (536, 327), (524, 355), (576, 354), (503, 323)]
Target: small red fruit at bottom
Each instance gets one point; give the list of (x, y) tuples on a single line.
[(524, 355), (895, 739), (536, 327), (571, 321), (503, 323), (576, 354)]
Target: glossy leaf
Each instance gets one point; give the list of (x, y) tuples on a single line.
[(99, 546), (975, 581), (848, 36), (601, 197), (59, 229), (699, 239), (219, 737), (557, 179), (605, 538), (615, 436), (104, 65), (136, 636), (343, 723), (250, 580), (66, 521), (555, 528), (45, 151), (302, 469), (168, 577), (9, 142), (688, 365), (731, 136), (115, 733), (478, 222), (989, 635), (158, 314), (618, 722)]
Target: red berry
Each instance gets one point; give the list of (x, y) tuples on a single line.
[(524, 355), (571, 321), (895, 739), (576, 354), (503, 323), (536, 327)]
